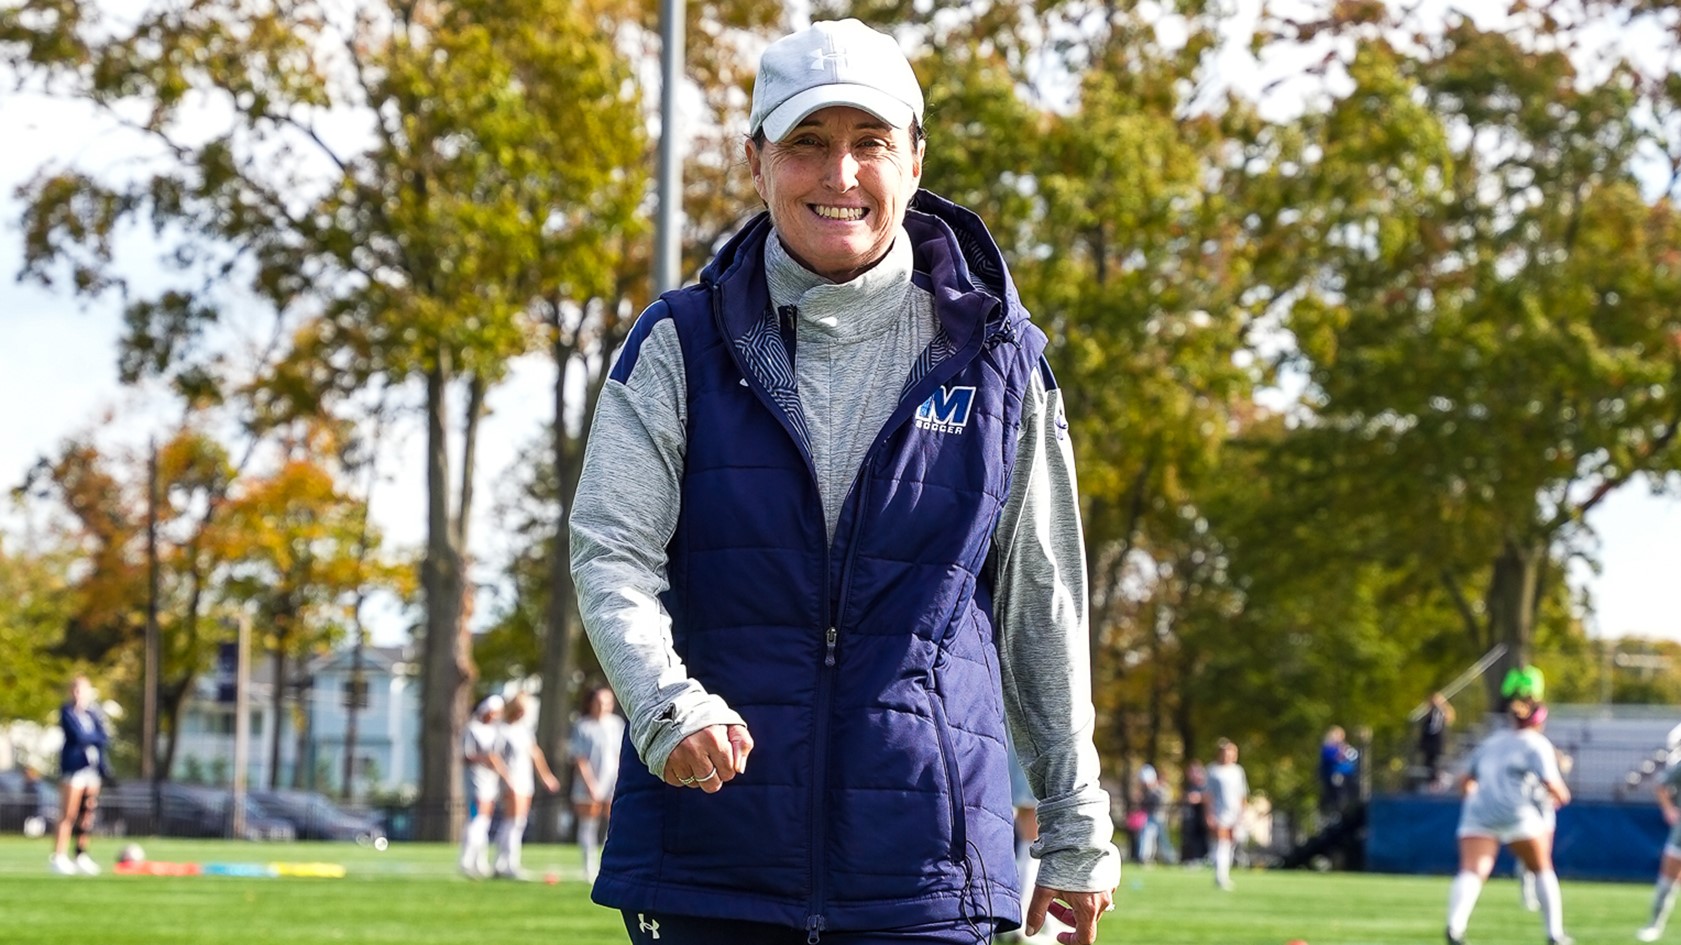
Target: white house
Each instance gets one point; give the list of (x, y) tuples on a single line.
[(314, 724)]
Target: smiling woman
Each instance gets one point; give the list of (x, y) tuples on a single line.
[(850, 549), (837, 186)]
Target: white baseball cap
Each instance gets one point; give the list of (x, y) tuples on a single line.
[(491, 703), (833, 62)]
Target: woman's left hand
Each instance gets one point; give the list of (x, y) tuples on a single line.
[(1078, 909)]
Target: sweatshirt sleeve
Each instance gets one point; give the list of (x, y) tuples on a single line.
[(622, 518), (1040, 606)]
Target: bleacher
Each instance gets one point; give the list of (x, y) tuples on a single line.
[(1612, 752)]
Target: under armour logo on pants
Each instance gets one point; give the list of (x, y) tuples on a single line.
[(651, 926)]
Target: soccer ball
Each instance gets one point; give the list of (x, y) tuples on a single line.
[(131, 853)]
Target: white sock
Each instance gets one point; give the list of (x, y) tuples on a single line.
[(1526, 886), (1552, 903), (1663, 899), (474, 840), (514, 843), (589, 840), (1222, 861), (1462, 898), (502, 845)]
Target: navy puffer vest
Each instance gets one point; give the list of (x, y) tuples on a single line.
[(877, 795)]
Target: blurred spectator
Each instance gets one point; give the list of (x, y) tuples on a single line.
[(524, 762), (485, 775), (1193, 814), (1432, 735), (83, 767), (1338, 766), (1153, 841), (1228, 798), (595, 742)]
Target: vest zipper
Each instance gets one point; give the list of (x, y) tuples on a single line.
[(820, 765)]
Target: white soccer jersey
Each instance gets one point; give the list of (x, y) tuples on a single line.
[(1510, 802), (1228, 786), (478, 741), (515, 745), (598, 741)]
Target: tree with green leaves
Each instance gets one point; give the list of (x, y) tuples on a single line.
[(400, 185), (1490, 340), (104, 500), (300, 558), (35, 610)]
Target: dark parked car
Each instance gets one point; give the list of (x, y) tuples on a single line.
[(186, 810), (23, 797), (314, 817)]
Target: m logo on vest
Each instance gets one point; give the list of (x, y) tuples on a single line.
[(946, 410)]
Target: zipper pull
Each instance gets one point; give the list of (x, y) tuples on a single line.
[(814, 924), (829, 647)]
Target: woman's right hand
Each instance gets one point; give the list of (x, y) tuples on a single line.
[(710, 758)]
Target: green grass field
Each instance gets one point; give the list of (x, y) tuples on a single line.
[(410, 895)]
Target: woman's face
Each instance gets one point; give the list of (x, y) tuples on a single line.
[(81, 692), (837, 186)]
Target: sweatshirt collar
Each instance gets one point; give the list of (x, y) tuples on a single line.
[(844, 312)]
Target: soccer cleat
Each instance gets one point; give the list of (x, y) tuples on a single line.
[(1454, 939), (1561, 940), (86, 866), (60, 864), (1650, 933)]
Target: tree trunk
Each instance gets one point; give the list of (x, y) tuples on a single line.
[(277, 712), (353, 705), (1155, 716), (445, 674), (303, 728), (173, 702), (555, 666), (1512, 589)]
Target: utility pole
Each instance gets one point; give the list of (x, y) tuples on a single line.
[(355, 700), (241, 724), (149, 689), (668, 255)]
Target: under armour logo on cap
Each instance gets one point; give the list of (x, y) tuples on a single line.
[(833, 62)]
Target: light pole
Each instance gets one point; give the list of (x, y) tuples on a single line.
[(668, 253)]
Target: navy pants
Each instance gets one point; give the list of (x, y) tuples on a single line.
[(648, 928)]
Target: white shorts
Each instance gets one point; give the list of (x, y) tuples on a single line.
[(483, 783), (85, 779), (1672, 851), (1525, 828)]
